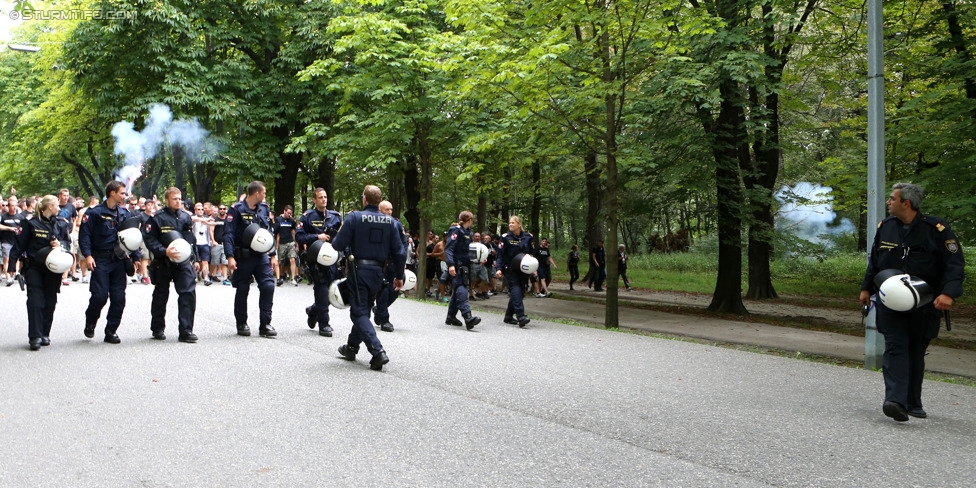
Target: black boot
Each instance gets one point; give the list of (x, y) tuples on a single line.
[(470, 320)]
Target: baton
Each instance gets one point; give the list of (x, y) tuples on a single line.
[(945, 313), (354, 275)]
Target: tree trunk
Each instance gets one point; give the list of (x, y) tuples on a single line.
[(535, 207), (594, 201), (411, 188), (325, 178)]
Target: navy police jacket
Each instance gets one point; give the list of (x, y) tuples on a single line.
[(165, 221), (239, 216), (511, 245), (457, 248), (36, 233), (99, 230), (372, 235), (314, 223), (926, 248)]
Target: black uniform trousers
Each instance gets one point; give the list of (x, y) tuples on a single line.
[(907, 335), (182, 276), (258, 266), (516, 283), (459, 298), (108, 280), (573, 274), (386, 296), (322, 278), (43, 287), (370, 280)]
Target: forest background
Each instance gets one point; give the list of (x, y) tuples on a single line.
[(736, 128)]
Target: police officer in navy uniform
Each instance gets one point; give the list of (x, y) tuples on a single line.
[(99, 244), (245, 262), (388, 295), (922, 246), (165, 270), (40, 232), (319, 224), (514, 242), (372, 238), (457, 253)]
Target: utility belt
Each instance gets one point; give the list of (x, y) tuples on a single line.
[(103, 254), (371, 262)]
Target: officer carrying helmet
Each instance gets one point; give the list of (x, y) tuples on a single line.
[(319, 224), (246, 259)]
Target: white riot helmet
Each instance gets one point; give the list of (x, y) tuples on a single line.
[(902, 292), (409, 280), (130, 236), (479, 252), (526, 263), (339, 293), (56, 260), (258, 239), (174, 240), (322, 252)]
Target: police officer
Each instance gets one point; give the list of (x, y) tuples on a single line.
[(514, 242), (99, 243), (245, 262), (922, 246), (457, 253), (165, 268), (372, 238), (388, 295), (319, 224), (42, 231)]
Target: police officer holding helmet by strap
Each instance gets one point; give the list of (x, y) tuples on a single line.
[(457, 253), (388, 295), (108, 262), (169, 266), (513, 243), (923, 247), (371, 236), (41, 234), (319, 224), (246, 262)]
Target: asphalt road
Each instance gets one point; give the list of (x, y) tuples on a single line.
[(550, 405)]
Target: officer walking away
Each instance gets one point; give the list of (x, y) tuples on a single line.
[(244, 261), (372, 238), (922, 246), (572, 264), (169, 265), (107, 260), (598, 258), (622, 259), (513, 243), (457, 253), (319, 224), (40, 235), (387, 294)]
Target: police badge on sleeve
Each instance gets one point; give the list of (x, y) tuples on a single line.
[(952, 246)]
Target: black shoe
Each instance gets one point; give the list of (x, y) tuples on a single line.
[(387, 327), (207, 282), (325, 331), (189, 337), (570, 287), (348, 352), (280, 281), (916, 412), (523, 321), (158, 335), (112, 338), (243, 330), (267, 331), (895, 411), (379, 359), (311, 317), (453, 321), (598, 289), (90, 331), (509, 320), (470, 321), (46, 341), (35, 344)]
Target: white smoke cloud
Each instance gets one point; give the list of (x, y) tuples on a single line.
[(160, 130), (806, 211)]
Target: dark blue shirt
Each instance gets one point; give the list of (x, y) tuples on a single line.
[(511, 245), (163, 222), (314, 223), (239, 216), (457, 246), (99, 231), (372, 235)]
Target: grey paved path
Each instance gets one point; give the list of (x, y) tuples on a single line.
[(550, 405)]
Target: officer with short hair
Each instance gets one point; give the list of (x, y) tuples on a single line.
[(40, 232), (372, 238), (924, 247), (246, 263), (514, 242), (388, 295), (457, 253), (319, 224), (98, 238), (164, 269)]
